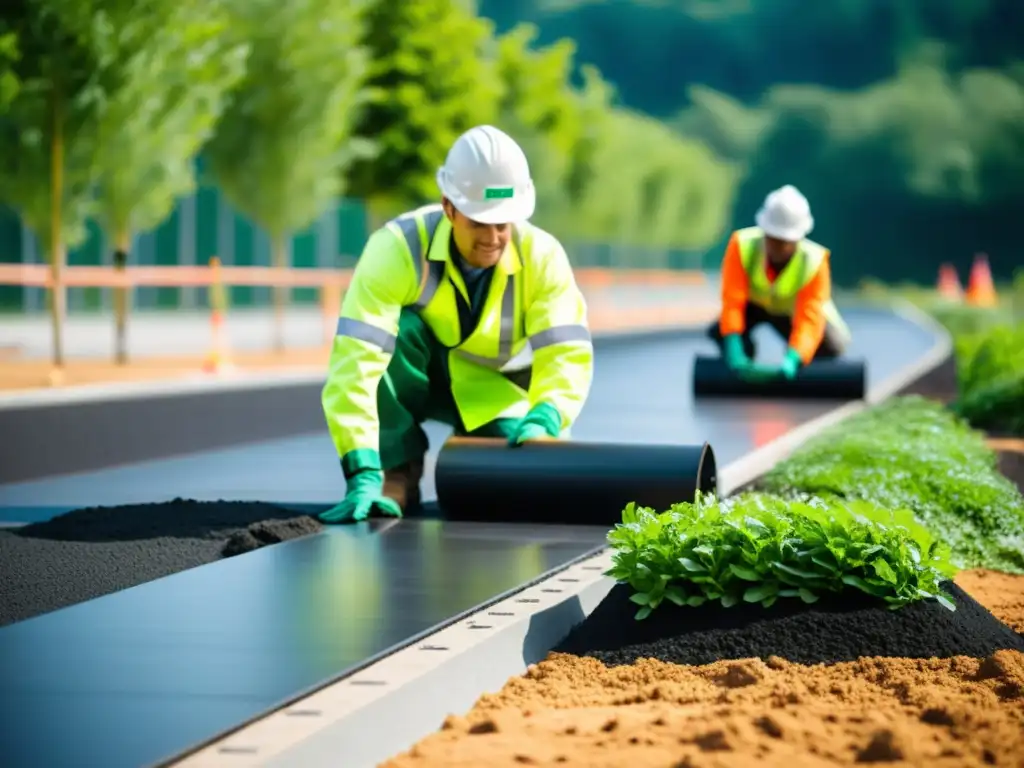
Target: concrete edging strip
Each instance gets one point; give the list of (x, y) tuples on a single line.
[(385, 708)]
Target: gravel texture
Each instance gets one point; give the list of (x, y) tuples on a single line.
[(92, 552), (835, 629)]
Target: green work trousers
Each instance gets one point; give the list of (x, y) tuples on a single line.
[(417, 387)]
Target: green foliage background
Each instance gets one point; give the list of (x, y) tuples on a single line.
[(650, 124), (902, 121)]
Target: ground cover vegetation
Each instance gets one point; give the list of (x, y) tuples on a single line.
[(891, 502), (757, 548)]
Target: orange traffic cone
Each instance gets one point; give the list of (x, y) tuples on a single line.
[(980, 290), (217, 359), (948, 286)]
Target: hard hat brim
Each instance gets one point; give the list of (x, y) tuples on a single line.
[(508, 211), (788, 234)]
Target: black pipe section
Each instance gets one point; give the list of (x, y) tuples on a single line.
[(565, 482), (821, 380)]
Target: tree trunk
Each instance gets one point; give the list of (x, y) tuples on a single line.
[(122, 298), (279, 259), (58, 295)]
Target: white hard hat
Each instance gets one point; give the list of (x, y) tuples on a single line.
[(786, 215), (487, 177)]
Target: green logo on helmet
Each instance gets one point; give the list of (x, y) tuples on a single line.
[(498, 193)]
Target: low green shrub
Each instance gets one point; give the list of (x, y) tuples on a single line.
[(990, 368), (756, 548), (996, 407), (912, 453)]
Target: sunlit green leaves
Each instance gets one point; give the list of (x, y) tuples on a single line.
[(650, 187), (56, 104), (757, 548), (430, 82), (166, 69), (8, 56), (282, 146)]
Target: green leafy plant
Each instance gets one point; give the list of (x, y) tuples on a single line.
[(756, 548), (912, 453)]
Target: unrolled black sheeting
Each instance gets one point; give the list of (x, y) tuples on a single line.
[(821, 380), (566, 482)]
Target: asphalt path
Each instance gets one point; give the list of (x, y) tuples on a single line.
[(641, 394)]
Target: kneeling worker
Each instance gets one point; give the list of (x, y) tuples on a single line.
[(441, 301), (773, 274)]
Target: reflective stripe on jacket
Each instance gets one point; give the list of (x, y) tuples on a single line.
[(533, 300), (802, 290)]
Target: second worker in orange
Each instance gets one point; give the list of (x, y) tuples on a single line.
[(773, 274)]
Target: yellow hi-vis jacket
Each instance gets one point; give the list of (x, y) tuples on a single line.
[(533, 300)]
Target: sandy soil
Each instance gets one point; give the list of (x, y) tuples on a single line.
[(571, 711)]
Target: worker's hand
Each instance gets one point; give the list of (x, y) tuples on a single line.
[(543, 421), (735, 356), (791, 364), (363, 496), (364, 490), (757, 373)]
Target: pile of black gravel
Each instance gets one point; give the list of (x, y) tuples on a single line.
[(93, 552), (837, 628)]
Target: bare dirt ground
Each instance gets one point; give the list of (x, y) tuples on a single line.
[(575, 711)]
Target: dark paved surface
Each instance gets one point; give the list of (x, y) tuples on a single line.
[(641, 394)]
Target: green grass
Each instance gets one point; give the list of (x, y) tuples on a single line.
[(912, 453), (757, 548)]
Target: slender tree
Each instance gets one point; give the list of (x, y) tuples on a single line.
[(168, 68), (281, 149), (47, 135)]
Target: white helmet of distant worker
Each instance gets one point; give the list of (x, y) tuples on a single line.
[(487, 177), (786, 215)]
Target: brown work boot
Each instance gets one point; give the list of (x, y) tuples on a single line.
[(402, 484)]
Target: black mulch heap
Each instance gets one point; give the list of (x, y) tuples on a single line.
[(93, 552), (835, 629)]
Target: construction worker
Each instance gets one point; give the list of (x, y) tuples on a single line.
[(773, 274), (436, 325)]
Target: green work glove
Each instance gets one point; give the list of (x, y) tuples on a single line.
[(364, 483), (791, 364), (735, 356), (542, 421), (757, 373)]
